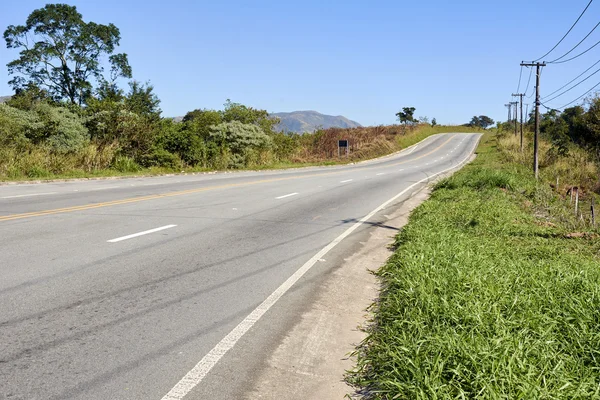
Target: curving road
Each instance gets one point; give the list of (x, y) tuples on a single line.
[(173, 287)]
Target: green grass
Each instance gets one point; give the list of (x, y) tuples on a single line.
[(484, 300)]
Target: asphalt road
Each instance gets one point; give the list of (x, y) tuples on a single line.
[(118, 289)]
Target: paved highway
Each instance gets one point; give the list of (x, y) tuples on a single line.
[(177, 286)]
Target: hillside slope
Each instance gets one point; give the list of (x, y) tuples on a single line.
[(309, 121)]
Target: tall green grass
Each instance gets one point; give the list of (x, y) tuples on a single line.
[(483, 299)]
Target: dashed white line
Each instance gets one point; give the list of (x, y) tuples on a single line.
[(162, 228), (104, 188), (27, 195), (381, 173), (286, 195), (200, 370), (347, 180)]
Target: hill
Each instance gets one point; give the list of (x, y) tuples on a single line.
[(4, 99), (309, 121)]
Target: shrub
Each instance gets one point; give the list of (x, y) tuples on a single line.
[(125, 164), (161, 158), (16, 126), (176, 139), (242, 140)]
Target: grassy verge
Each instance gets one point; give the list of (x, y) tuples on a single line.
[(36, 166), (485, 297)]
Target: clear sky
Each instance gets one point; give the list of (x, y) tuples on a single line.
[(361, 59)]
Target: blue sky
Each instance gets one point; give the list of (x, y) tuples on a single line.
[(361, 59)]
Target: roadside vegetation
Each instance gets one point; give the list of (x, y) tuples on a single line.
[(494, 288), (78, 112)]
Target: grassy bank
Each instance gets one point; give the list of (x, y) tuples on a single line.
[(94, 162), (487, 295)]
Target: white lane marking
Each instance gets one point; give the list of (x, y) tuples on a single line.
[(401, 169), (27, 195), (347, 180), (200, 370), (381, 173), (287, 195), (104, 188), (413, 149), (162, 228)]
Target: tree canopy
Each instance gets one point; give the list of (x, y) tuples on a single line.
[(61, 53), (482, 121), (407, 115)]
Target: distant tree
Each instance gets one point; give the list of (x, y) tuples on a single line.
[(481, 121), (424, 120), (62, 54), (200, 121), (141, 100), (433, 122), (248, 115), (406, 116)]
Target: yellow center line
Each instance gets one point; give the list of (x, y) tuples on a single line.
[(191, 191)]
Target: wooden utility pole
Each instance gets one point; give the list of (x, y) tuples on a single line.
[(515, 103), (536, 134), (521, 99), (509, 106)]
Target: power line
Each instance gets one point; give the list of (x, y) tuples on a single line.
[(528, 81), (578, 55), (569, 31), (573, 80), (568, 104), (574, 86), (520, 75), (576, 46)]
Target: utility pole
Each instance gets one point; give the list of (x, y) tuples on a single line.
[(509, 105), (521, 98), (536, 134), (515, 103)]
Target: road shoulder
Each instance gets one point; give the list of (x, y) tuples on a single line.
[(311, 360)]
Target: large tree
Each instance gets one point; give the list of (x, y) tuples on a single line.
[(61, 53), (406, 116), (482, 121)]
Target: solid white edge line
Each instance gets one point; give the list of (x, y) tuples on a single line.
[(27, 195), (120, 239), (200, 370), (287, 195)]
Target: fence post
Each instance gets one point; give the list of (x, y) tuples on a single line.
[(576, 200), (593, 213)]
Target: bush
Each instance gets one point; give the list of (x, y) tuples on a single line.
[(125, 164), (242, 140), (161, 158), (16, 125), (176, 139)]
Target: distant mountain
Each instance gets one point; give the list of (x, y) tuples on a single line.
[(309, 121), (4, 99)]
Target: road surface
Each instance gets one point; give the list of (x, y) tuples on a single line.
[(178, 286)]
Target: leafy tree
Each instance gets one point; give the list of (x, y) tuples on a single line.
[(407, 116), (142, 101), (199, 122), (482, 121), (248, 115), (433, 122), (26, 99), (62, 54)]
